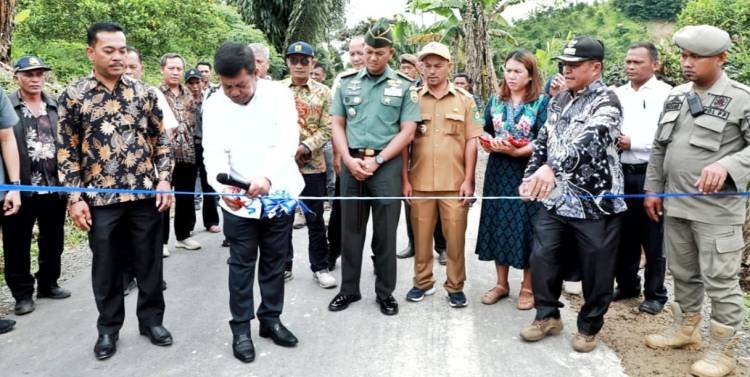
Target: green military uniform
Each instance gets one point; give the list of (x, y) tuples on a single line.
[(703, 235), (374, 107)]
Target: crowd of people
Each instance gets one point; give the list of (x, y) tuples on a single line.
[(573, 148)]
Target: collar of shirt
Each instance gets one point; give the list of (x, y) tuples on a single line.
[(565, 98), (180, 88), (290, 83), (718, 87), (93, 82), (426, 89), (387, 74), (16, 100)]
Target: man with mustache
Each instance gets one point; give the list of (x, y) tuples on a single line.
[(701, 146)]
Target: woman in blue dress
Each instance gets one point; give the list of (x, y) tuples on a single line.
[(513, 118)]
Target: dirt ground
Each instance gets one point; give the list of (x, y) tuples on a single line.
[(624, 330)]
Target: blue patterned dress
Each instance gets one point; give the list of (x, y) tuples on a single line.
[(505, 226)]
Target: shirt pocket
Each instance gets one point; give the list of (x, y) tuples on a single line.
[(455, 124), (424, 127), (391, 109), (666, 127), (707, 133)]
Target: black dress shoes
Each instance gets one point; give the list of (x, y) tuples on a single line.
[(106, 346), (243, 348), (55, 292), (24, 306), (158, 335), (278, 333), (619, 294), (651, 307), (6, 325), (341, 302), (388, 306)]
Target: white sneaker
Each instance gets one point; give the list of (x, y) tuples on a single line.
[(165, 251), (188, 243), (324, 279)]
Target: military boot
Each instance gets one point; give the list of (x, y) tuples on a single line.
[(720, 358), (684, 332)]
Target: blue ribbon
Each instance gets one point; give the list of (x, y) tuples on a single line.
[(279, 203)]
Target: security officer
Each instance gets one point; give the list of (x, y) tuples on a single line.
[(701, 146), (375, 113)]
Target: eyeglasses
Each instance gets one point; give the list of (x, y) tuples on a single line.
[(294, 60)]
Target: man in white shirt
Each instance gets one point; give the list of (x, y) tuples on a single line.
[(250, 132), (642, 100)]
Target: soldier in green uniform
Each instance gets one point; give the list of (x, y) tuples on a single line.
[(701, 145), (374, 115)]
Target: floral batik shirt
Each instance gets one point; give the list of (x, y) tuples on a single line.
[(183, 139), (578, 142), (111, 139), (313, 101), (40, 145)]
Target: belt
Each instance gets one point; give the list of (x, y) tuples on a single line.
[(363, 152), (635, 168)]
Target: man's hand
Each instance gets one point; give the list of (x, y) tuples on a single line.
[(466, 191), (712, 178), (539, 185), (301, 156), (623, 142), (163, 201), (653, 207), (79, 212), (371, 165), (12, 203), (258, 187), (233, 202), (406, 190), (557, 85), (357, 168)]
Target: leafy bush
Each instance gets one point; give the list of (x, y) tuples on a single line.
[(547, 31), (56, 30), (665, 10)]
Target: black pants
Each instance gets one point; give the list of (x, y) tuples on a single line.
[(334, 225), (639, 231), (245, 237), (596, 242), (386, 182), (209, 210), (48, 211), (183, 179), (315, 185), (437, 235), (118, 229)]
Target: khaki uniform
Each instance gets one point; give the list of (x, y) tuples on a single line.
[(703, 235), (438, 158)]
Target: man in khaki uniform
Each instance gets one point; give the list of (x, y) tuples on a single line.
[(701, 146), (443, 158)]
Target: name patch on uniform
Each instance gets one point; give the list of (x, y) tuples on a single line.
[(674, 103), (719, 113), (393, 92), (721, 102)]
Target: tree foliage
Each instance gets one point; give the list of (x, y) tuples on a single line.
[(284, 22), (646, 10), (56, 30)]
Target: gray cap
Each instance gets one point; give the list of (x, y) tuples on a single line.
[(702, 40)]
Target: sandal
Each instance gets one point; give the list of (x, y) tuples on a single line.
[(495, 294), (525, 299)]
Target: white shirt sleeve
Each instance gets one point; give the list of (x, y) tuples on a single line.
[(169, 120)]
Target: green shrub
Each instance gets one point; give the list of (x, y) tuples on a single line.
[(646, 10)]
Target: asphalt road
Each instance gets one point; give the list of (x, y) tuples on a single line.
[(427, 338)]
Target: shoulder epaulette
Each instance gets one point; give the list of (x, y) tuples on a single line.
[(465, 92), (348, 72), (405, 77), (741, 86)]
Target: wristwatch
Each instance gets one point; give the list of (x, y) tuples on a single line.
[(379, 159)]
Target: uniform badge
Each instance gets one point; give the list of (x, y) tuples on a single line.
[(721, 102), (356, 100), (422, 128), (354, 85), (414, 96), (387, 101), (352, 112), (674, 103), (394, 83)]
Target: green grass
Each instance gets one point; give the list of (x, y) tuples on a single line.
[(747, 311), (73, 238)]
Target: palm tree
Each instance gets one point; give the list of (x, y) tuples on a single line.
[(284, 22), (7, 13)]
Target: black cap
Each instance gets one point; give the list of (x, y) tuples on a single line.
[(380, 34), (193, 74), (30, 63), (581, 49)]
